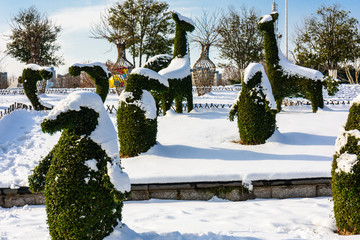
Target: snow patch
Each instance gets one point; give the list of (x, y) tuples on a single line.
[(250, 71), (36, 67), (178, 68), (151, 74), (93, 64), (146, 103), (185, 19), (156, 57), (266, 18), (343, 138), (292, 69), (118, 178), (92, 164), (346, 162)]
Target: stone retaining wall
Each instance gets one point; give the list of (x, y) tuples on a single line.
[(233, 191)]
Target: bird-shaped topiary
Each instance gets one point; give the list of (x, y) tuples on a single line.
[(82, 180), (33, 73), (255, 107), (97, 72)]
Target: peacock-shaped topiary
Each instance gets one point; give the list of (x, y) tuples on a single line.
[(82, 180), (255, 107), (345, 173), (33, 73), (286, 78), (137, 113), (97, 72)]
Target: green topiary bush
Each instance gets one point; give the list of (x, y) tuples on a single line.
[(286, 78), (255, 107), (137, 113), (81, 178), (98, 73), (345, 173), (33, 73), (178, 71)]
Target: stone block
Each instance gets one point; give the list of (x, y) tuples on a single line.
[(139, 195), (195, 194), (262, 192), (164, 194), (324, 191), (294, 191)]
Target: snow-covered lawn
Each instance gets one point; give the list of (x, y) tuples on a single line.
[(193, 220)]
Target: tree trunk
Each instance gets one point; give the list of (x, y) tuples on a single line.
[(333, 73)]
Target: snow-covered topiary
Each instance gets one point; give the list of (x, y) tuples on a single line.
[(178, 71), (255, 107), (158, 62), (345, 173), (33, 73), (97, 72), (286, 78), (81, 178), (137, 113)]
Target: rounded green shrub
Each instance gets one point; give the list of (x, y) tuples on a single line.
[(255, 107), (98, 73), (345, 173), (137, 113), (287, 79), (33, 73), (82, 199)]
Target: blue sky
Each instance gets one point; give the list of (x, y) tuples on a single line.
[(76, 17)]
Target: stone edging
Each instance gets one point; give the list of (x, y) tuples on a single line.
[(232, 190)]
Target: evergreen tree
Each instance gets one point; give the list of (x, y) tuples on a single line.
[(33, 38), (327, 38)]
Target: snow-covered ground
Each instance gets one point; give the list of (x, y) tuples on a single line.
[(197, 220), (195, 146)]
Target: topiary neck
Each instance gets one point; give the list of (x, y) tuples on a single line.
[(180, 42), (271, 47)]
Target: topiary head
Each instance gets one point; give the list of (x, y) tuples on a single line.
[(78, 113), (186, 26), (266, 22), (74, 71)]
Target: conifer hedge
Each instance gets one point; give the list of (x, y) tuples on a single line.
[(81, 202), (97, 74), (345, 173), (256, 119), (30, 77)]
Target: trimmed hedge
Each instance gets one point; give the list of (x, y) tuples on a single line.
[(256, 121), (284, 85), (345, 183), (81, 202), (97, 74), (30, 78), (136, 132)]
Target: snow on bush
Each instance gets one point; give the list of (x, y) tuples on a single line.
[(346, 174), (84, 184), (255, 107)]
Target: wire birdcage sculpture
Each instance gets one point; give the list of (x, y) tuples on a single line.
[(203, 72), (122, 68)]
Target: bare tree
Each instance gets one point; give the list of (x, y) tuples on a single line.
[(206, 35)]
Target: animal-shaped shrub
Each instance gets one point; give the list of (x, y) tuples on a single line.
[(97, 72), (255, 107), (33, 73), (345, 173), (137, 113), (178, 71), (286, 78), (81, 177)]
